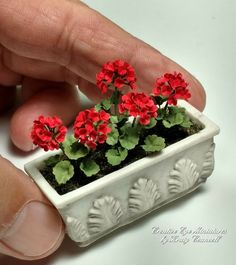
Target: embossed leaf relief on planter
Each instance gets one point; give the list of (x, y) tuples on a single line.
[(76, 230), (208, 164), (183, 176), (105, 213), (143, 195)]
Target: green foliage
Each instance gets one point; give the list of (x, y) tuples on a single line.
[(176, 116), (161, 114), (160, 100), (130, 136), (120, 120), (127, 133), (152, 123), (73, 149), (114, 119), (186, 122), (113, 136), (63, 171), (98, 107), (89, 167), (116, 156), (52, 160), (115, 97), (105, 105), (153, 143)]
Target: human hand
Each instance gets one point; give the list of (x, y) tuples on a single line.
[(67, 44)]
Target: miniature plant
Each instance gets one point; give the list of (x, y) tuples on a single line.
[(119, 124)]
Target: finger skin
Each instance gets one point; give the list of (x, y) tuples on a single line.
[(7, 76), (81, 40), (36, 68), (58, 99), (17, 231)]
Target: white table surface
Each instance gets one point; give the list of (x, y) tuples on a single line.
[(200, 35)]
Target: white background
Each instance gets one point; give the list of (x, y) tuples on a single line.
[(200, 35)]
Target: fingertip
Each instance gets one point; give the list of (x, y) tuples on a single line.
[(20, 127), (198, 94), (61, 100), (198, 99)]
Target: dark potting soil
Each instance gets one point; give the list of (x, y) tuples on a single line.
[(171, 135)]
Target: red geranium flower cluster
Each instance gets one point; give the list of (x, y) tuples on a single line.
[(48, 132), (173, 87), (91, 127), (118, 73), (138, 105)]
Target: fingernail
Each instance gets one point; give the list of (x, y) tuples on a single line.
[(37, 232)]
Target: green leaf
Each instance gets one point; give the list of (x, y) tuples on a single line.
[(161, 114), (167, 124), (160, 100), (52, 160), (130, 137), (116, 156), (98, 107), (89, 167), (73, 149), (63, 171), (114, 119), (176, 116), (113, 136), (173, 119), (106, 104), (153, 143), (186, 123), (122, 120), (152, 123)]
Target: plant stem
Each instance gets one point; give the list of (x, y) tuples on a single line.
[(166, 106), (115, 109), (116, 100), (133, 123)]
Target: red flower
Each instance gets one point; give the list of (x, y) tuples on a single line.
[(48, 132), (91, 127), (118, 73), (173, 87), (138, 105)]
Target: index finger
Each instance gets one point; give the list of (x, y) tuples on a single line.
[(82, 40)]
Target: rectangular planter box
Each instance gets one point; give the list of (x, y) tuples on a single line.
[(127, 194)]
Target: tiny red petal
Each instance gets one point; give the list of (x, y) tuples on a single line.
[(138, 105), (172, 86), (94, 127), (104, 116), (117, 73), (48, 132)]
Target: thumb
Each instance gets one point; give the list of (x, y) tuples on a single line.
[(30, 227)]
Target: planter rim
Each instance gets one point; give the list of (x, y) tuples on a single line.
[(210, 129)]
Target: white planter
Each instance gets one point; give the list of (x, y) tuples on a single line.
[(125, 195)]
